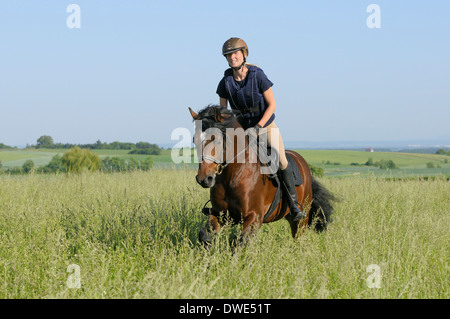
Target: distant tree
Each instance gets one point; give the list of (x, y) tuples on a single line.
[(28, 166), (76, 160), (3, 146), (316, 171), (132, 164), (45, 141), (147, 164), (146, 149), (1, 165), (430, 165), (370, 162), (143, 145), (56, 165), (121, 146), (389, 164), (117, 164), (114, 164), (441, 151), (105, 164), (15, 170)]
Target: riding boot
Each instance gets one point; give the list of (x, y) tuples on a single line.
[(288, 179)]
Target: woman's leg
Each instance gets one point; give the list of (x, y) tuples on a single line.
[(276, 142)]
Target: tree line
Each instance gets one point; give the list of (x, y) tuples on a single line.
[(5, 147), (145, 148), (77, 160), (441, 151), (383, 164)]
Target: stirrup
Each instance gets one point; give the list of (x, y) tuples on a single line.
[(206, 210)]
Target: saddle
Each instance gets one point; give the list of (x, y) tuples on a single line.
[(279, 193)]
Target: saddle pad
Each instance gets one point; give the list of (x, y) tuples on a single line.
[(295, 171)]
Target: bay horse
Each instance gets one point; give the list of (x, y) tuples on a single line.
[(238, 190)]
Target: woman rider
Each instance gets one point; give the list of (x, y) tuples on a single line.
[(250, 94)]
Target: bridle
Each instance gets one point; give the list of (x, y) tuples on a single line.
[(222, 165)]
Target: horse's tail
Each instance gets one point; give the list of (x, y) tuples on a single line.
[(321, 207)]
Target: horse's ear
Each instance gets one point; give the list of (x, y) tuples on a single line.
[(193, 114), (217, 115)]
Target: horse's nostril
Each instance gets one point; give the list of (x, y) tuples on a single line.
[(208, 181)]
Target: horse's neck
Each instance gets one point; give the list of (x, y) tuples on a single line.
[(245, 162)]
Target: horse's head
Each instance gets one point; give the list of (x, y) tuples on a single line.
[(209, 140)]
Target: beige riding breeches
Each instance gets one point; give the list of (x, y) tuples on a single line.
[(275, 140)]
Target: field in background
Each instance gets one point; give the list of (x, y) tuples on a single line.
[(134, 235), (334, 162), (410, 164)]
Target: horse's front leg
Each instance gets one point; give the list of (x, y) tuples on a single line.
[(252, 222), (211, 228)]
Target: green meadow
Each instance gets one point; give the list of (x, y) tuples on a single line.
[(134, 235), (339, 163)]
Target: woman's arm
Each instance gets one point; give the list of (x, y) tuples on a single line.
[(271, 106), (223, 102)]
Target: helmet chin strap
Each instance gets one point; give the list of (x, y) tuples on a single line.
[(239, 67), (243, 63)]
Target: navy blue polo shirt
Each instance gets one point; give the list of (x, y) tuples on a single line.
[(246, 95)]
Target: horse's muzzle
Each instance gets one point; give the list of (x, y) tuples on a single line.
[(206, 182)]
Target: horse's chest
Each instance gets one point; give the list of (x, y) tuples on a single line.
[(229, 200)]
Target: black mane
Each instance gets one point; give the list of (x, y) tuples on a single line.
[(216, 116)]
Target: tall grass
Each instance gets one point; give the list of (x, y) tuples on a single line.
[(134, 235)]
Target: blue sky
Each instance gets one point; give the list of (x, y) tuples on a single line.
[(133, 68)]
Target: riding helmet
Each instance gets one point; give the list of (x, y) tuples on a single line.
[(233, 45)]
